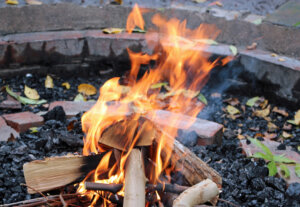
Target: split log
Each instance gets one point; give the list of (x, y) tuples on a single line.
[(135, 180), (191, 166), (197, 194), (56, 172)]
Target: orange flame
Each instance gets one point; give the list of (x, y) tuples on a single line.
[(182, 67)]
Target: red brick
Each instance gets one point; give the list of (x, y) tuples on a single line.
[(6, 132), (250, 149), (72, 108), (23, 121)]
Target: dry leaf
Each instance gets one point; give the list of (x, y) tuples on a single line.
[(66, 85), (274, 55), (264, 104), (218, 3), (49, 82), (233, 49), (280, 111), (286, 135), (251, 102), (119, 1), (269, 136), (34, 2), (254, 129), (112, 30), (297, 117), (262, 113), (258, 135), (199, 1), (87, 89), (272, 127), (252, 46), (232, 110), (281, 59), (240, 136), (232, 101), (12, 2), (31, 93), (79, 97)]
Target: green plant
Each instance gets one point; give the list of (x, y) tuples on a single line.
[(274, 160)]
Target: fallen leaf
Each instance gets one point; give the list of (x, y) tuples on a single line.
[(264, 104), (262, 113), (254, 129), (268, 119), (49, 82), (252, 46), (137, 30), (258, 135), (202, 98), (79, 97), (297, 117), (206, 41), (232, 101), (274, 55), (252, 101), (297, 170), (31, 93), (291, 122), (112, 30), (66, 85), (269, 136), (12, 2), (218, 3), (158, 85), (281, 59), (87, 89), (34, 130), (272, 127), (232, 110), (286, 135), (119, 1), (257, 21), (34, 2), (240, 125), (233, 49), (280, 111), (22, 99), (240, 136)]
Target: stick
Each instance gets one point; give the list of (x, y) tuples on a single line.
[(114, 188), (197, 194), (135, 180)]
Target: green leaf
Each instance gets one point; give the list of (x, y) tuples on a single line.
[(136, 30), (257, 21), (297, 24), (263, 156), (158, 85), (79, 98), (292, 122), (272, 168), (282, 159), (252, 101), (297, 169), (261, 145), (202, 98), (233, 49), (24, 100), (34, 130), (285, 170)]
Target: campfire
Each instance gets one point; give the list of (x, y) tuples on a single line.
[(130, 149)]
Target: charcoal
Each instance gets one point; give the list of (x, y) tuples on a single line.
[(293, 191), (258, 184), (57, 113), (281, 147), (71, 139), (229, 134), (277, 183)]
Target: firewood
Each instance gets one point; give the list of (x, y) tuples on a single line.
[(200, 193), (135, 180), (191, 166), (55, 172)]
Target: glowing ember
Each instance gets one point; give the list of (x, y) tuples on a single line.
[(182, 69)]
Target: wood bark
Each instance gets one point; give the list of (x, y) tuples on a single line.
[(200, 193), (55, 172), (135, 180)]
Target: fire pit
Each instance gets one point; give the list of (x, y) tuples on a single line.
[(131, 155)]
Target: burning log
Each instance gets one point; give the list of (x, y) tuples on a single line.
[(135, 180), (55, 172), (197, 194), (114, 188)]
